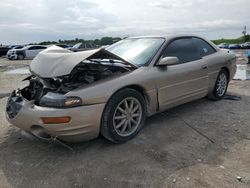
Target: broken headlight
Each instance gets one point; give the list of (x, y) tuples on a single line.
[(59, 101)]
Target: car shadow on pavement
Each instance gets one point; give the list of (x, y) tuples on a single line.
[(196, 132)]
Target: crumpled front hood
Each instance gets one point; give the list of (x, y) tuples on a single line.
[(55, 61)]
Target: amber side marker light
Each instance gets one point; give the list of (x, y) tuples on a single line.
[(56, 120)]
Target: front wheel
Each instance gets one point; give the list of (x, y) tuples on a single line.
[(123, 116), (221, 85)]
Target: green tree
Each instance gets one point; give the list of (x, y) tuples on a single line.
[(106, 41)]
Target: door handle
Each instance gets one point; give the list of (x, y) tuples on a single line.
[(204, 67)]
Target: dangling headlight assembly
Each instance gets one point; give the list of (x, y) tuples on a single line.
[(59, 101)]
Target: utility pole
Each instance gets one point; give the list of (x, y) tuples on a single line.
[(244, 32)]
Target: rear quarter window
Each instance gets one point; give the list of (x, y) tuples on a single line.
[(203, 47)]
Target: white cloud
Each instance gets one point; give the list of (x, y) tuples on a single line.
[(160, 5), (62, 19)]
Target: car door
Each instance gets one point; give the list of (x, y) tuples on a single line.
[(185, 81), (39, 49), (30, 52)]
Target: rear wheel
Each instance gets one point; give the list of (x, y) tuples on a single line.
[(123, 116), (221, 85)]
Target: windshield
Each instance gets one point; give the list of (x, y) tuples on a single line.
[(137, 51), (77, 45)]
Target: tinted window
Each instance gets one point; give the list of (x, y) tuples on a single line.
[(203, 47), (40, 47), (62, 45), (182, 48), (32, 48), (18, 47)]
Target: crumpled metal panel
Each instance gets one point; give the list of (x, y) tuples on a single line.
[(56, 61)]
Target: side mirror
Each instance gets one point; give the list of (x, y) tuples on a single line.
[(168, 61)]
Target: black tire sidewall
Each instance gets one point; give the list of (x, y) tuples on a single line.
[(107, 127), (215, 92)]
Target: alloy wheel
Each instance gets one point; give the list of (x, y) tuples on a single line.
[(127, 116), (221, 84)]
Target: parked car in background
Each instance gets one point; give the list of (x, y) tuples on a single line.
[(78, 96), (223, 45), (18, 47), (4, 50), (63, 46), (245, 45), (10, 52), (82, 47), (28, 52), (234, 46)]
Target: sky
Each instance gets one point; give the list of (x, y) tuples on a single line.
[(26, 21)]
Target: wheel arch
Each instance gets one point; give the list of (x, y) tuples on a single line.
[(140, 90), (227, 70), (211, 93), (103, 126)]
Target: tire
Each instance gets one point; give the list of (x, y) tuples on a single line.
[(221, 85), (20, 57), (121, 122)]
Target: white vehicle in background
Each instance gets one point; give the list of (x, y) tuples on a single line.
[(10, 51), (245, 45), (27, 52)]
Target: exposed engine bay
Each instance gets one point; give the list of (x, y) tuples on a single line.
[(86, 72)]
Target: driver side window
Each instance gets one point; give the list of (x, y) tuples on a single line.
[(183, 49)]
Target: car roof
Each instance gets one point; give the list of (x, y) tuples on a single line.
[(169, 36)]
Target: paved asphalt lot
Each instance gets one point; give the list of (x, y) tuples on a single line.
[(199, 144)]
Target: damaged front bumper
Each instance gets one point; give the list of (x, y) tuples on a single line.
[(84, 121)]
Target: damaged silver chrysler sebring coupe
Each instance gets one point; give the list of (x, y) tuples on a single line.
[(77, 96)]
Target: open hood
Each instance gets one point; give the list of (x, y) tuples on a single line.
[(55, 61)]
